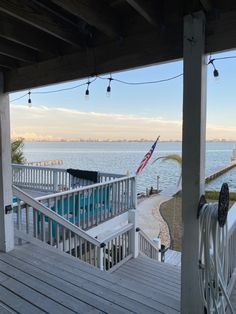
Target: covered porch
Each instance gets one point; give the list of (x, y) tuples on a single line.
[(47, 42)]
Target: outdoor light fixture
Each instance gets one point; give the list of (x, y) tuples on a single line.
[(29, 100), (109, 86), (87, 91), (215, 71)]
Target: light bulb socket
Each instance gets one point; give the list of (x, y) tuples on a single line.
[(87, 92), (108, 89), (29, 101)]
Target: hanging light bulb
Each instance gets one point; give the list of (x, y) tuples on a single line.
[(29, 100), (215, 71), (87, 91), (109, 87)]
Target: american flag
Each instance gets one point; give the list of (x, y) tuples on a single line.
[(146, 158)]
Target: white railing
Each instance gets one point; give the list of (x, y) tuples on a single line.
[(232, 240), (51, 179), (148, 247), (38, 221), (116, 248), (90, 206)]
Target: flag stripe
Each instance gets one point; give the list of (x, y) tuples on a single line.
[(146, 158)]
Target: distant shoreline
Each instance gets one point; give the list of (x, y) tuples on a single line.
[(117, 141)]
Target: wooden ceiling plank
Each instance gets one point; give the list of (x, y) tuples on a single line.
[(17, 51), (95, 13), (39, 18), (145, 10), (23, 34), (135, 51)]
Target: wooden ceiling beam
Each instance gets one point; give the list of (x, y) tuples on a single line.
[(145, 10), (135, 51), (17, 51), (25, 35), (36, 16), (95, 13)]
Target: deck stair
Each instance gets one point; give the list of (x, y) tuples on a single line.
[(34, 279)]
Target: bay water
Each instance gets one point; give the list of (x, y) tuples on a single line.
[(123, 157)]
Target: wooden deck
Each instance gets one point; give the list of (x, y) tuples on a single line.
[(36, 280), (173, 257)]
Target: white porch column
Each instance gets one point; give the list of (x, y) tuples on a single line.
[(6, 219), (194, 126)]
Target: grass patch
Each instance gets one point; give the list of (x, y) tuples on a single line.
[(171, 212)]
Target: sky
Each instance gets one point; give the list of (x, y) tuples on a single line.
[(131, 112)]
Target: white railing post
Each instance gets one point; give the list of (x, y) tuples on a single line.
[(134, 192), (101, 256), (157, 241), (134, 247), (55, 181)]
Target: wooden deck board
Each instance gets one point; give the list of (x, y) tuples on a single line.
[(173, 257), (38, 280), (90, 272), (97, 286)]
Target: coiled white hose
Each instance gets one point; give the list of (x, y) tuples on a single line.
[(213, 261)]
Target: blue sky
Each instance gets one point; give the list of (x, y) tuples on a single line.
[(131, 111)]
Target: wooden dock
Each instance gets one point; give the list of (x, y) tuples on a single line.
[(221, 171), (46, 162), (38, 280)]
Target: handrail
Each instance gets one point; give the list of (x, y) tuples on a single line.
[(51, 179), (52, 215), (81, 189), (118, 232), (38, 221), (92, 205), (148, 247)]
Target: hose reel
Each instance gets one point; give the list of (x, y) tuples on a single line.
[(213, 253)]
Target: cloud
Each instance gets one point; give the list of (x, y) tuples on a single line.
[(44, 122)]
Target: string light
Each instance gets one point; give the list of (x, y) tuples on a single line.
[(109, 86), (215, 71), (87, 90), (110, 79), (29, 100)]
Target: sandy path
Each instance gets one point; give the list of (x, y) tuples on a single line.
[(150, 219)]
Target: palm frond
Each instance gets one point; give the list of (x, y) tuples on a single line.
[(171, 157), (17, 154)]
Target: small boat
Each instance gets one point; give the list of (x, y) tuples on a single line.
[(233, 155)]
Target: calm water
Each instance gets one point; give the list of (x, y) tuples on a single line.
[(120, 157)]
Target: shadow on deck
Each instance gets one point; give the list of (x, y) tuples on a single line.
[(36, 280)]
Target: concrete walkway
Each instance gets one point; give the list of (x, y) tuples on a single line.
[(149, 218)]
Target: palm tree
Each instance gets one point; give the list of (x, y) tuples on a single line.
[(172, 157), (17, 155)]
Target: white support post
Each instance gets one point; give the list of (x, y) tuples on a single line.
[(101, 258), (6, 216), (194, 129), (133, 234)]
